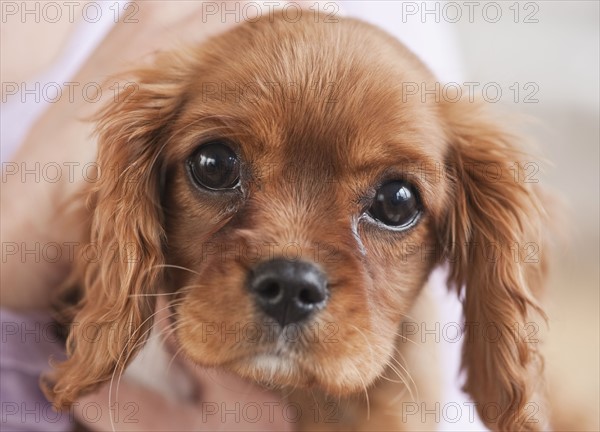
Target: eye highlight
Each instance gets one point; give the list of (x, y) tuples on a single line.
[(215, 166), (396, 204)]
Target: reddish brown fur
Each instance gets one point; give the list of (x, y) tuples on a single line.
[(339, 149)]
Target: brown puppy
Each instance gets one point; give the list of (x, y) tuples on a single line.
[(280, 177)]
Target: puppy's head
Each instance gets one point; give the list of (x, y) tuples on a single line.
[(279, 186)]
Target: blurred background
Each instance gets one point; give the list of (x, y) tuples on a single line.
[(544, 56)]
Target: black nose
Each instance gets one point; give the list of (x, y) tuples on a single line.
[(288, 291)]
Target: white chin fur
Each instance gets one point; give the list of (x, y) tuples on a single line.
[(270, 366)]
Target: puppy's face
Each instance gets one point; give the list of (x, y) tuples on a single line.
[(290, 199), (298, 199)]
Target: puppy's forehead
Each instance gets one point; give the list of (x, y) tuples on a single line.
[(319, 93)]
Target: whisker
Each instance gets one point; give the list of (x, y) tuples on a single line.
[(409, 376), (152, 295), (366, 341), (366, 392), (178, 268), (122, 365), (406, 376), (158, 266), (173, 358)]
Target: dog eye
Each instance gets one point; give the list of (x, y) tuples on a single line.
[(215, 166), (396, 204)]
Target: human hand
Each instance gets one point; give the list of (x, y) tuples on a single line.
[(226, 403)]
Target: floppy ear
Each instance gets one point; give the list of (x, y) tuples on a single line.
[(123, 262), (492, 235)]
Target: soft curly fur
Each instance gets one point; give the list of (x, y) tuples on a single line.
[(336, 141)]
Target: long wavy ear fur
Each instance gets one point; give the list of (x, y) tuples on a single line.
[(493, 236), (122, 264)]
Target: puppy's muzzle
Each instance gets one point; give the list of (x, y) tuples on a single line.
[(288, 291)]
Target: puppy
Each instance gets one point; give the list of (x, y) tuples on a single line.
[(280, 177)]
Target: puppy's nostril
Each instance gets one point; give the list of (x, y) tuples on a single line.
[(310, 296), (270, 290)]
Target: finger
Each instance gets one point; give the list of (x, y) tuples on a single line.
[(138, 409), (229, 399), (135, 409)]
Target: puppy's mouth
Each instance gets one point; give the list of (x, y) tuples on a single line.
[(274, 365), (279, 325), (274, 370), (270, 355)]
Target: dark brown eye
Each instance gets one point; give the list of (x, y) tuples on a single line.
[(215, 166), (396, 204)]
